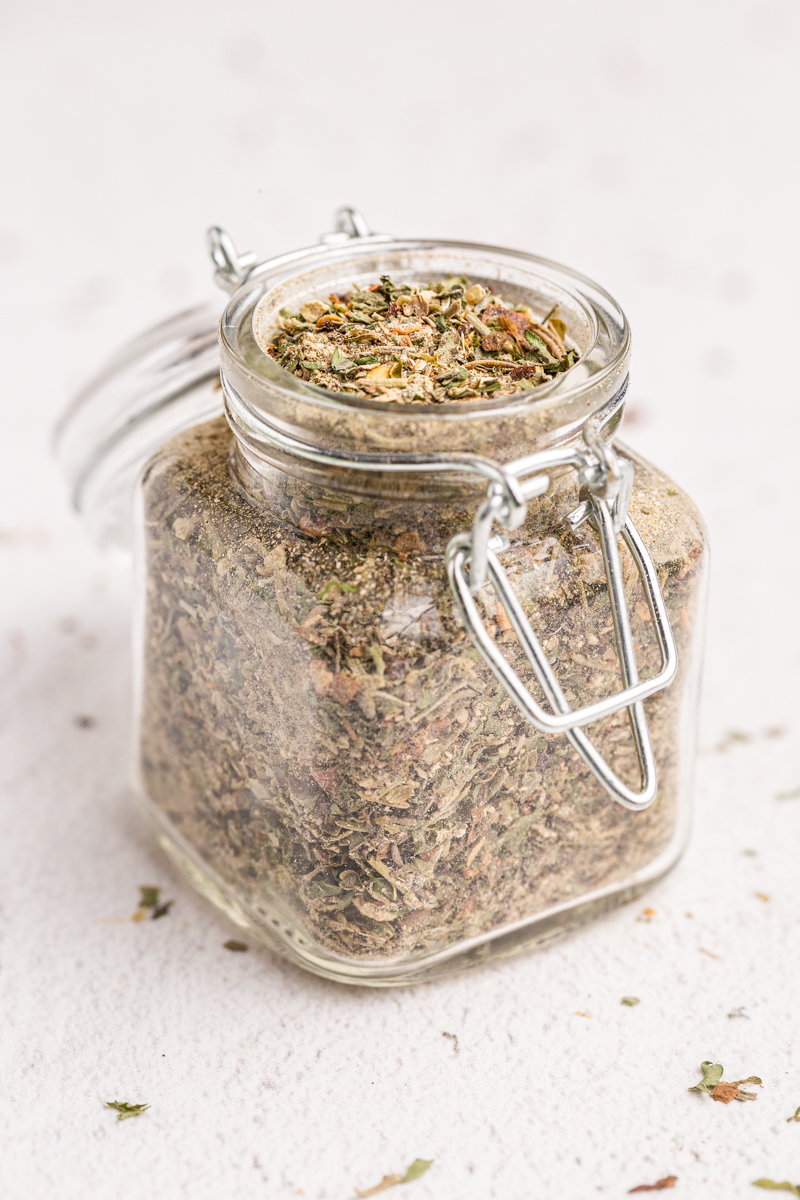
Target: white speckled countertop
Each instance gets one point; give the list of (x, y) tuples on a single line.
[(654, 147)]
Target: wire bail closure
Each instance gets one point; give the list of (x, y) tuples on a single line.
[(606, 486)]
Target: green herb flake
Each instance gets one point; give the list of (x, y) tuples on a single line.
[(630, 1001), (536, 343), (336, 587), (239, 947), (712, 1074), (796, 1116), (770, 1185), (724, 1091), (340, 362), (149, 904), (417, 1168), (126, 1110)]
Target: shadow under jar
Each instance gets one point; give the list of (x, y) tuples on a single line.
[(322, 747)]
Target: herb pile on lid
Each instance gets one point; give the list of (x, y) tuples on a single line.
[(444, 342)]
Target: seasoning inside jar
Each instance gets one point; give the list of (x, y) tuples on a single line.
[(447, 341)]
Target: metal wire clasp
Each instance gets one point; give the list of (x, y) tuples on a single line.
[(606, 485)]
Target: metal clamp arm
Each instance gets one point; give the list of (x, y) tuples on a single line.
[(613, 477)]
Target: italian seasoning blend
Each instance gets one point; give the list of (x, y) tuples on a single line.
[(321, 745), (450, 341)]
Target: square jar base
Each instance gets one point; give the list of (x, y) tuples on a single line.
[(275, 928)]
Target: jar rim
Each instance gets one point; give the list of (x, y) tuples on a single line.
[(167, 379), (280, 276)]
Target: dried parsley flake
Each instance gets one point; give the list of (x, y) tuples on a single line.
[(771, 1186)]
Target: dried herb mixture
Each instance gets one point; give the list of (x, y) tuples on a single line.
[(448, 341), (319, 731)]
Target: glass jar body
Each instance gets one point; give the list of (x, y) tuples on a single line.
[(332, 762)]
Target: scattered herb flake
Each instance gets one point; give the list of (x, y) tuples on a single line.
[(162, 910), (149, 897), (738, 1012), (453, 1038), (724, 1091), (630, 1001), (126, 1110), (771, 1186), (234, 945), (417, 1168), (668, 1181), (796, 1116), (732, 738)]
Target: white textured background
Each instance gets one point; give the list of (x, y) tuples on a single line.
[(655, 147)]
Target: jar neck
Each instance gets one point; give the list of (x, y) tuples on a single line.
[(401, 453), (386, 511)]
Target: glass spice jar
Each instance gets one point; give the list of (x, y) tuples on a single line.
[(390, 716)]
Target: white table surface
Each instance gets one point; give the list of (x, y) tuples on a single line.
[(652, 146)]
